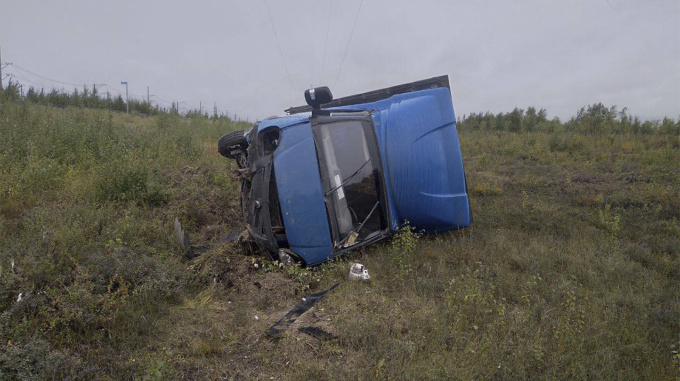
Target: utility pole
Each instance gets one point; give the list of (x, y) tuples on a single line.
[(0, 69), (148, 98), (127, 99)]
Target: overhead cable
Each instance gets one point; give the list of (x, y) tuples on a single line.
[(112, 88), (325, 46), (276, 37), (312, 35), (43, 77), (28, 80), (161, 99), (348, 42)]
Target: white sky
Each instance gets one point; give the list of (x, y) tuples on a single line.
[(499, 54)]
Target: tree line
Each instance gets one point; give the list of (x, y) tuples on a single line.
[(90, 98), (592, 119)]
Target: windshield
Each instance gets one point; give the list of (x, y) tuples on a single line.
[(349, 166)]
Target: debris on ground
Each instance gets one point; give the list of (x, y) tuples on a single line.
[(276, 330), (358, 272), (194, 251)]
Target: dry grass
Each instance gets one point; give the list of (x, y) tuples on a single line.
[(570, 270)]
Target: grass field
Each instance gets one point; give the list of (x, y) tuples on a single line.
[(571, 269)]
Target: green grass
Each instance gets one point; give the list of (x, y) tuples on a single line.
[(570, 270)]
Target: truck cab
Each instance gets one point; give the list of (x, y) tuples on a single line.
[(337, 175)]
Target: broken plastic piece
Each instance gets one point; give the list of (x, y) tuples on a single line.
[(183, 239), (286, 258), (285, 322), (232, 236), (358, 272), (351, 239), (194, 251)]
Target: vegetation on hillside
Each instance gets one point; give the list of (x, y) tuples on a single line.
[(571, 269), (592, 119), (90, 98)]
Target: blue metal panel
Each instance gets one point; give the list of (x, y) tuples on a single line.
[(425, 163), (300, 194), (422, 159), (282, 123)]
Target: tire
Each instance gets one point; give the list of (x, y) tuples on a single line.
[(231, 139)]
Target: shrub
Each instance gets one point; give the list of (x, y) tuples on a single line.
[(36, 360), (120, 183)]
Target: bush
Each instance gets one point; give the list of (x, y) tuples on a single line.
[(36, 360), (120, 183)]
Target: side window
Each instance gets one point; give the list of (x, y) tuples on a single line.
[(269, 140)]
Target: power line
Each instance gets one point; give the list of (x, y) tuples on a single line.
[(348, 42), (276, 37), (313, 42), (19, 67), (325, 46), (39, 84), (43, 77), (28, 80), (161, 99), (25, 71), (112, 88)]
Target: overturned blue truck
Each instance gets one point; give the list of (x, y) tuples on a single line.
[(339, 174)]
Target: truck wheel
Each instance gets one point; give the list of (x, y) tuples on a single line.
[(231, 139)]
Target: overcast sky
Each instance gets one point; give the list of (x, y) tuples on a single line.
[(499, 54)]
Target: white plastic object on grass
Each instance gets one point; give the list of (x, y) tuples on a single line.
[(358, 272)]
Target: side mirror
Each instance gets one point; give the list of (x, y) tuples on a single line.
[(318, 96)]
